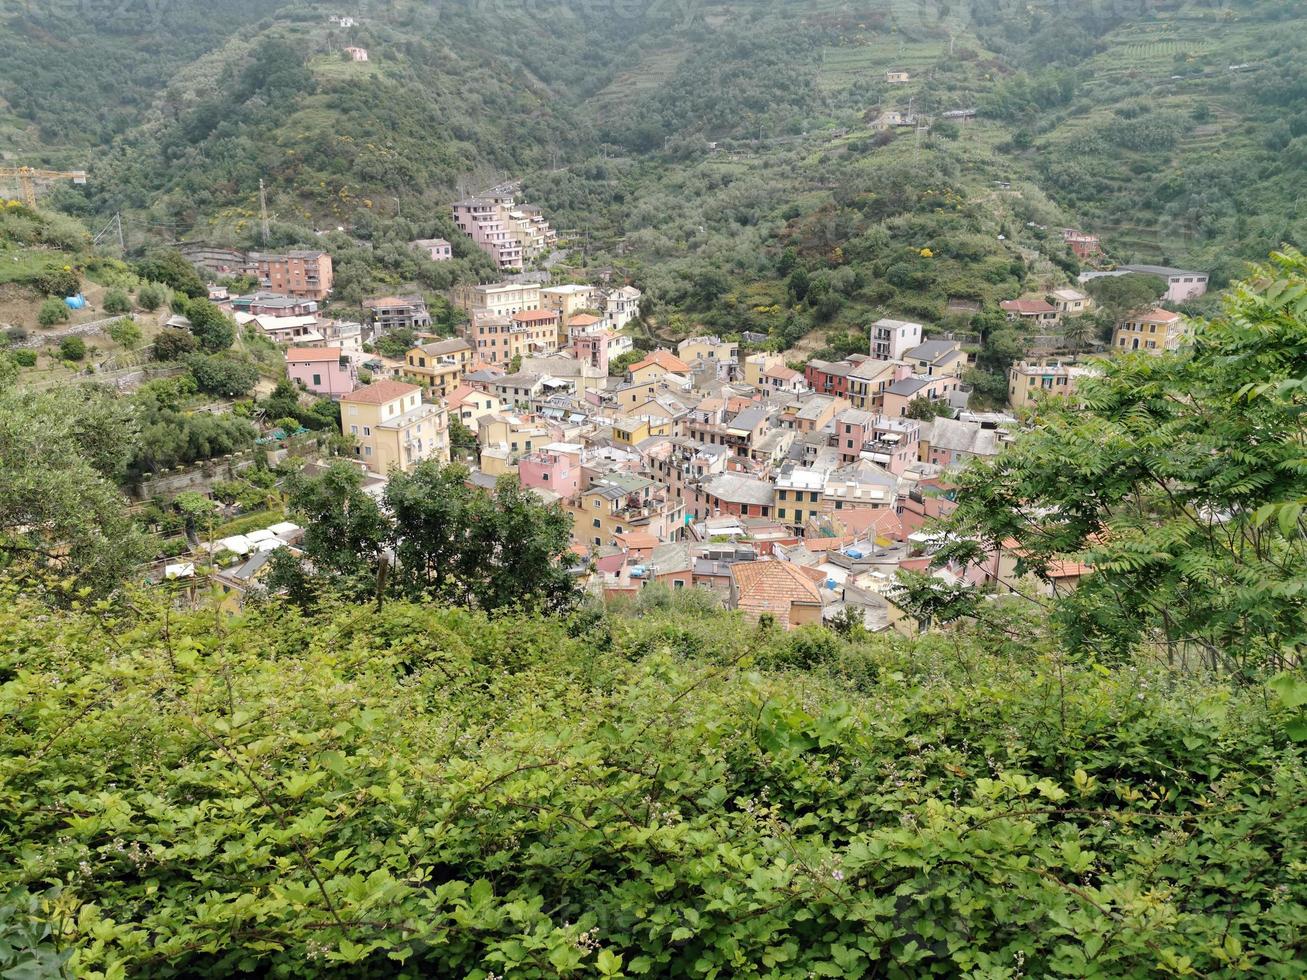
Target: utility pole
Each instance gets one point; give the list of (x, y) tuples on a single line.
[(263, 211), (114, 228)]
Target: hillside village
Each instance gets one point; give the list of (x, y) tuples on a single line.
[(792, 489)]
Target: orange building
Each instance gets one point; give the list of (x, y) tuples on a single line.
[(304, 274)]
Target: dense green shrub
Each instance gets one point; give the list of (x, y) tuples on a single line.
[(299, 796)]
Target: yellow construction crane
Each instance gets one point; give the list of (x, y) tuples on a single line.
[(28, 176)]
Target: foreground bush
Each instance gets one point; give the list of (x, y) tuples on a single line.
[(425, 792)]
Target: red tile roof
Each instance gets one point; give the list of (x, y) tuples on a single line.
[(535, 316), (1024, 306), (663, 359), (1158, 315), (772, 587), (582, 320), (313, 353), (380, 392)]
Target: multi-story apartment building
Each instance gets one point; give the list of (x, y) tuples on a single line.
[(392, 428), (485, 222), (1029, 381), (388, 313), (1155, 330), (569, 299), (304, 274), (510, 233), (891, 338), (529, 333), (439, 366), (621, 306), (497, 299)]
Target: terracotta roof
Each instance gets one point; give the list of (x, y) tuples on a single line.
[(783, 372), (1027, 306), (663, 359), (1158, 316), (313, 353), (637, 540), (582, 320), (772, 587), (535, 316), (380, 392), (392, 301)]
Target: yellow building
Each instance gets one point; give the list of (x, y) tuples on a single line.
[(655, 365), (756, 365), (569, 299), (393, 428), (498, 299), (439, 366), (708, 348), (628, 432), (1030, 381), (1156, 330)]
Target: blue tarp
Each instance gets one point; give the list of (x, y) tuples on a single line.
[(75, 302)]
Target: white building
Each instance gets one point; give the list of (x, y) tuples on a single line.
[(621, 306), (891, 339)]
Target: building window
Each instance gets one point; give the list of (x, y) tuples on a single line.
[(317, 379), (353, 430), (367, 431), (367, 450)]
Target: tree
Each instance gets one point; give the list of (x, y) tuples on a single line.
[(477, 548), (53, 311), (59, 283), (212, 328), (151, 296), (125, 333), (170, 267), (396, 343), (72, 349), (223, 375), (344, 529), (925, 409), (619, 365), (117, 302), (462, 440), (173, 345), (1180, 482), (1120, 295), (61, 453)]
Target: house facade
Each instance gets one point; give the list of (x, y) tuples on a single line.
[(324, 371), (1154, 330), (393, 428), (305, 274), (891, 338)]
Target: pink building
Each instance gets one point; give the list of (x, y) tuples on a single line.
[(322, 370), (556, 467), (483, 221), (853, 430), (592, 349)]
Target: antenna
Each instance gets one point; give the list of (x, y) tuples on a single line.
[(263, 211)]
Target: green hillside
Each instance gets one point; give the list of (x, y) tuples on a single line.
[(682, 144)]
